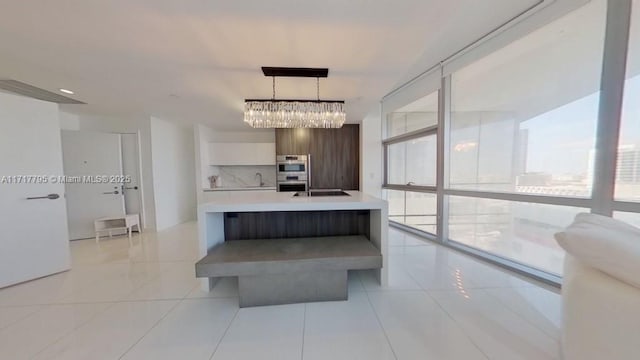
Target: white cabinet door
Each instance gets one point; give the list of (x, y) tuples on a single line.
[(35, 239), (242, 153)]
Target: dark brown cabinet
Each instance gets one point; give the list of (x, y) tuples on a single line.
[(292, 141), (335, 154)]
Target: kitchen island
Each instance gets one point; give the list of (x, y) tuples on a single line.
[(286, 218)]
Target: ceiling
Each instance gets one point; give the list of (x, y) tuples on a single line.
[(195, 61)]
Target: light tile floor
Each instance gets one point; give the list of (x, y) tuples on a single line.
[(145, 303)]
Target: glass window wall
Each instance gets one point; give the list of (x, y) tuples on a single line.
[(518, 136), (414, 209), (523, 119)]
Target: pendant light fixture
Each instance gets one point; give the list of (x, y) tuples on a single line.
[(277, 113)]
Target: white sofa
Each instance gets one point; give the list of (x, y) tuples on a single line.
[(601, 313)]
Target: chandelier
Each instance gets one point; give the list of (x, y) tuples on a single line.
[(277, 113)]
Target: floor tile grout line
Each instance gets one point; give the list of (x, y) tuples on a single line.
[(170, 298), (390, 291), (458, 325), (196, 286), (360, 281), (224, 334), (525, 319), (527, 282), (470, 287), (91, 318), (119, 300), (135, 288), (304, 328), (213, 297), (508, 309), (107, 302), (483, 289), (150, 329), (41, 307), (530, 282), (186, 296), (123, 262), (384, 331), (414, 280)]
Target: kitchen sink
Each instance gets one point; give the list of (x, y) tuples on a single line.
[(322, 193)]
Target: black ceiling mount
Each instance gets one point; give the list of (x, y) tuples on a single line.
[(295, 72)]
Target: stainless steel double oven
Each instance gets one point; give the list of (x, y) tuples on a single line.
[(293, 172)]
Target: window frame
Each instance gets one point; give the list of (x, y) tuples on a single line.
[(402, 138)]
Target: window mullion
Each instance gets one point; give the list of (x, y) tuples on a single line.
[(610, 111), (442, 178)]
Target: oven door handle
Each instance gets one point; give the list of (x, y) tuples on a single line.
[(309, 171)]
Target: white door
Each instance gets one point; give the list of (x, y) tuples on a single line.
[(93, 159), (34, 240), (130, 166)]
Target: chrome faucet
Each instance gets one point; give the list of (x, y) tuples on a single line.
[(260, 175)]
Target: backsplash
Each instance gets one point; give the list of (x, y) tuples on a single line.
[(244, 176)]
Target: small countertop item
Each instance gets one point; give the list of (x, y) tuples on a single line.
[(215, 181)]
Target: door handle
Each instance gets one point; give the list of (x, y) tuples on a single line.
[(112, 192), (50, 197), (131, 188), (309, 178)]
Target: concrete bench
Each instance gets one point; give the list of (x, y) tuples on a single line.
[(284, 271)]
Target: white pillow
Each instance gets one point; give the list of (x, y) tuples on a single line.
[(606, 244)]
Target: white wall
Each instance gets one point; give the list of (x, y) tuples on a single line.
[(371, 154), (140, 125), (173, 163), (201, 160), (69, 121)]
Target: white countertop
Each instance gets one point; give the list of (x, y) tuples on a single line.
[(285, 201), (243, 188)]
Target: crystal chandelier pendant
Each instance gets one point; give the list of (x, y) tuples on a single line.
[(273, 113), (294, 114)]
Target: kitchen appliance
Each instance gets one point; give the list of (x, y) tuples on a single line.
[(292, 172), (292, 186), (324, 192)]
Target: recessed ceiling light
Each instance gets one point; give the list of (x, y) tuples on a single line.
[(66, 91)]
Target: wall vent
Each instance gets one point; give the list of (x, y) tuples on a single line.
[(21, 88)]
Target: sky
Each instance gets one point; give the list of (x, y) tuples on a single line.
[(560, 140)]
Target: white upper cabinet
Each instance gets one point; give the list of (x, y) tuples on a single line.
[(242, 153)]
